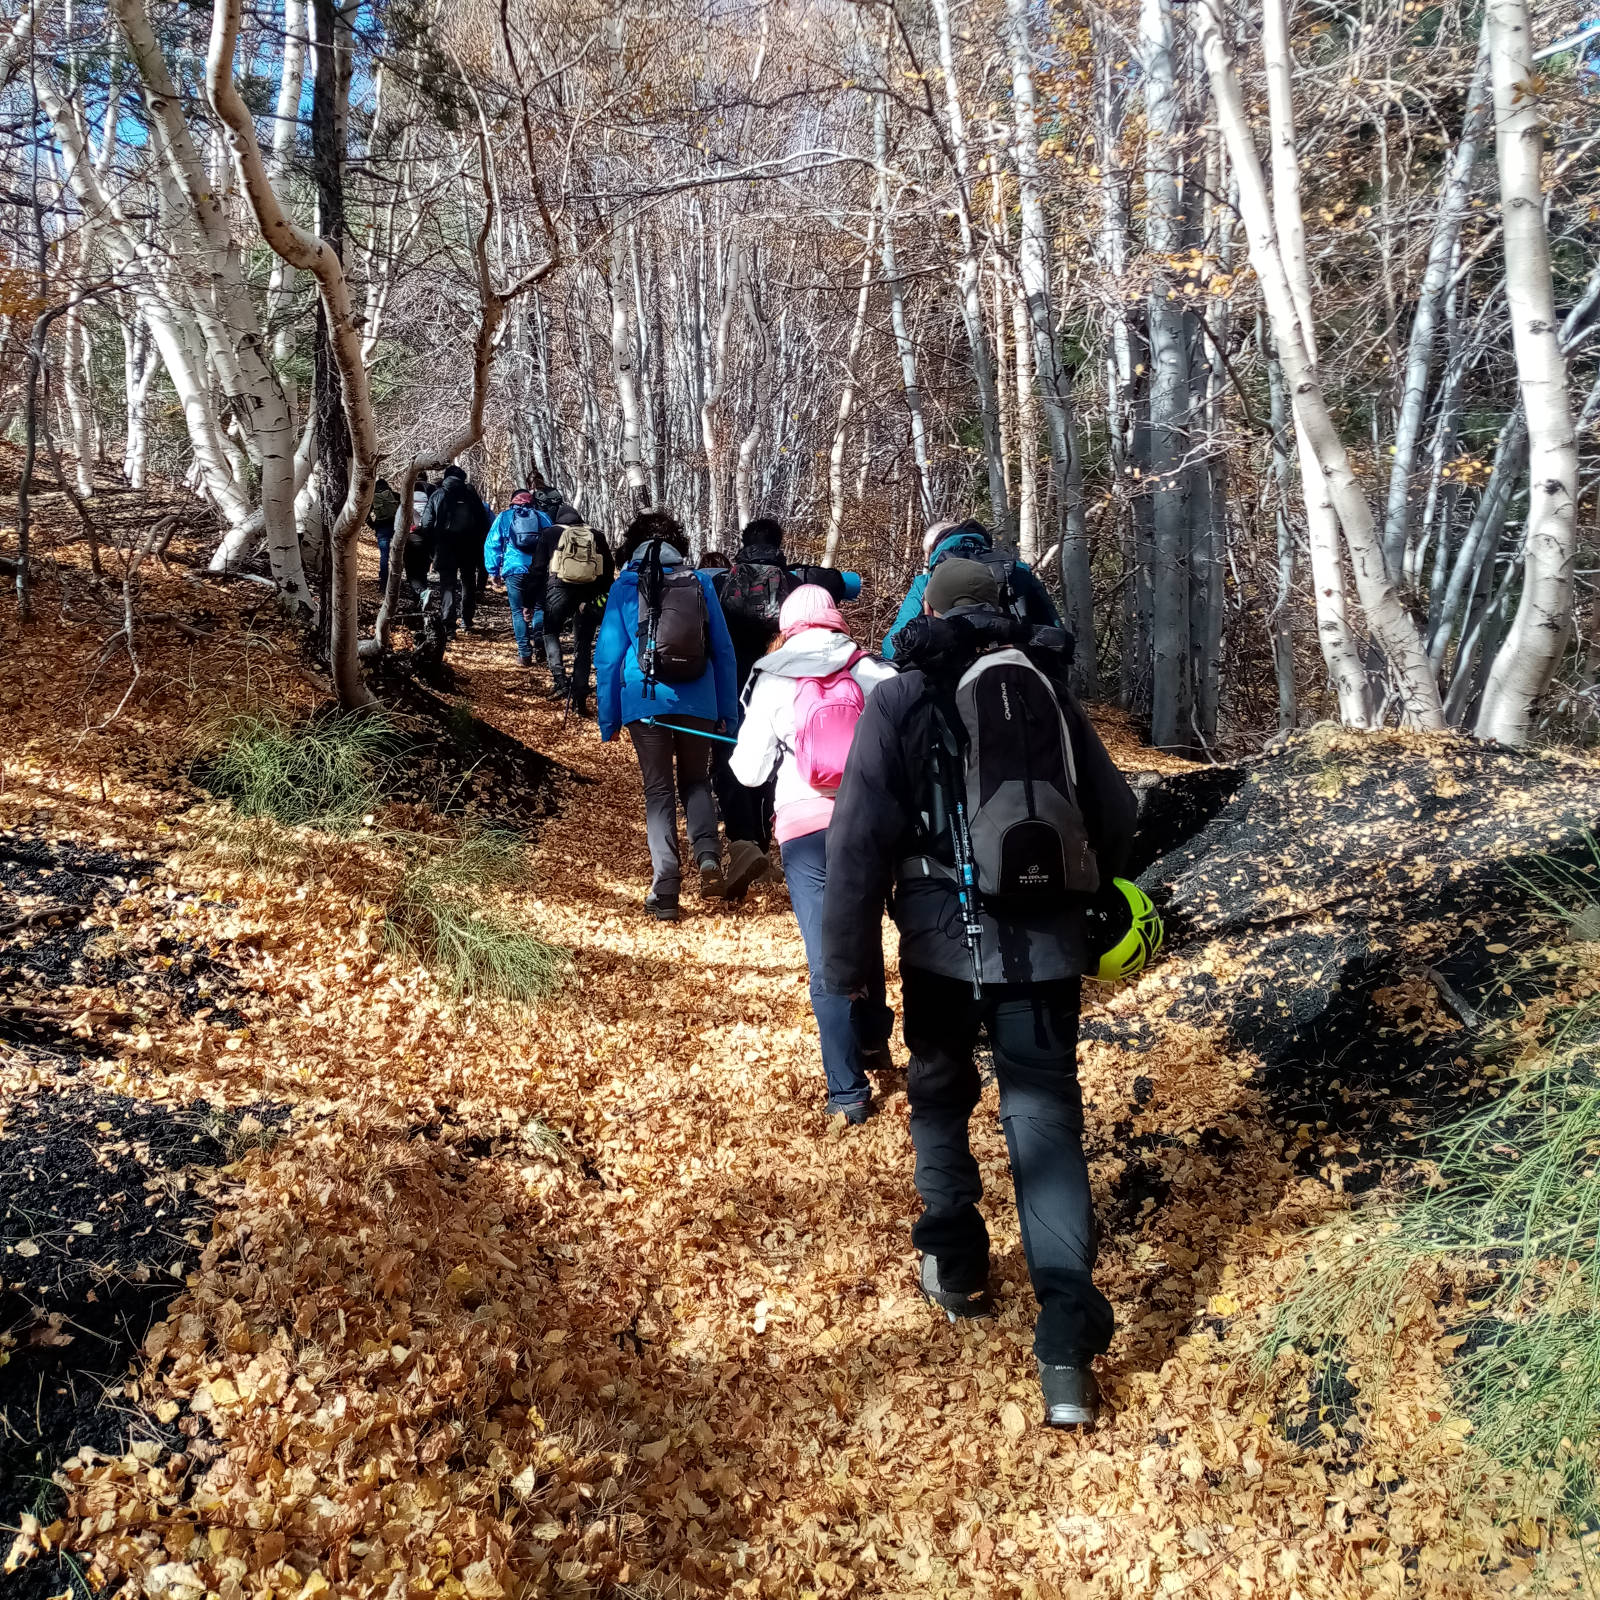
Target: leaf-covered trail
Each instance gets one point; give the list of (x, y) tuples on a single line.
[(585, 1298)]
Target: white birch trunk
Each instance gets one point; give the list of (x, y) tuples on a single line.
[(80, 424), (312, 255), (1340, 650), (1394, 627), (622, 371), (1027, 496), (847, 401), (1532, 649), (233, 331), (1033, 262), (1170, 683), (1454, 203), (713, 422), (967, 279), (897, 308)]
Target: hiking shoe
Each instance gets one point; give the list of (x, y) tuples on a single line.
[(661, 908), (524, 661), (1070, 1396), (748, 863), (956, 1304), (854, 1114), (712, 884)]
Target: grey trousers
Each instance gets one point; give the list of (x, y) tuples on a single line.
[(675, 764)]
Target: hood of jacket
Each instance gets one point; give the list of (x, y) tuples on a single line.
[(810, 653), (943, 647), (967, 545), (761, 555), (670, 557)]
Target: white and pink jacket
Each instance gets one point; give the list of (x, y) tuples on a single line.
[(767, 733)]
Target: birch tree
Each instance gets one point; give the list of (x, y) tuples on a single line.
[(1527, 659)]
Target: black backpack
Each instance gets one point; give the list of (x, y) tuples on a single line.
[(1003, 568), (452, 511), (674, 640), (1029, 845), (753, 592)]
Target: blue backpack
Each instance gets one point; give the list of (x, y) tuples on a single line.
[(527, 523)]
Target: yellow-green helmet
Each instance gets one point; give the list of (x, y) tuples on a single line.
[(1127, 957)]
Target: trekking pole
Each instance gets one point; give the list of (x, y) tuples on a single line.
[(699, 733), (966, 878)]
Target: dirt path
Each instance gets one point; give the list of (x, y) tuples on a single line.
[(585, 1298)]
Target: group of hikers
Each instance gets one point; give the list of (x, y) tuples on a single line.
[(952, 779)]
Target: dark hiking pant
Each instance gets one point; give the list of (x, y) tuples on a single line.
[(458, 590), (675, 764), (746, 813), (574, 603), (1033, 1032)]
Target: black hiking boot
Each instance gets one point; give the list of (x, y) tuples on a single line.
[(748, 863), (661, 908), (712, 885), (1070, 1396), (956, 1304)]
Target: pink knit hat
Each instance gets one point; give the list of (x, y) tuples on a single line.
[(810, 606)]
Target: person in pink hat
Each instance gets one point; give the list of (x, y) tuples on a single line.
[(801, 708)]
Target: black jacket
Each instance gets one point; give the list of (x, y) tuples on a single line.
[(887, 793), (457, 522), (753, 638)]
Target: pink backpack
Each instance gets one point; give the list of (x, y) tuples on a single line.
[(826, 711)]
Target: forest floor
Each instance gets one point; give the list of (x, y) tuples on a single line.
[(584, 1296)]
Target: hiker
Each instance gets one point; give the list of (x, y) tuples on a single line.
[(458, 522), (419, 548), (664, 668), (546, 496), (514, 556), (1021, 592), (976, 765), (801, 709), (385, 502), (752, 591), (580, 571)]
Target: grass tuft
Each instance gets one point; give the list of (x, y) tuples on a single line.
[(327, 773), (444, 916), (1508, 1229)]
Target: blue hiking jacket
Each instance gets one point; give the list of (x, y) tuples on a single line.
[(1037, 606), (500, 556), (619, 680)]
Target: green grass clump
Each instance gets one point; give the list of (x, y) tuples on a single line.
[(1511, 1219), (326, 773), (444, 916)]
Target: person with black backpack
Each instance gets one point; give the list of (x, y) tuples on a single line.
[(752, 590), (517, 555), (385, 502), (579, 572), (980, 804), (665, 670), (457, 522), (1021, 593)]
